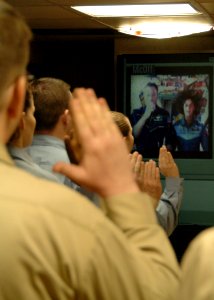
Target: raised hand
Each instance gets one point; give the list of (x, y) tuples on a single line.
[(147, 176), (151, 181), (137, 165), (104, 166), (167, 165)]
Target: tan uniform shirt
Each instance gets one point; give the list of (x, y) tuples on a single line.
[(55, 244), (198, 268)]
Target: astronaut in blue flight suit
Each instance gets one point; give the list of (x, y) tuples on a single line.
[(151, 124), (191, 135)]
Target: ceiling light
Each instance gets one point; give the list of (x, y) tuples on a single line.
[(162, 30), (176, 9)]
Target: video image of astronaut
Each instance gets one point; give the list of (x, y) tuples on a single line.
[(171, 110)]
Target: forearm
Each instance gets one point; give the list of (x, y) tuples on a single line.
[(169, 205)]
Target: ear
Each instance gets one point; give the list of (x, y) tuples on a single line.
[(127, 142), (17, 96), (64, 117)]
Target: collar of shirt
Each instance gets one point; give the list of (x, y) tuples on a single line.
[(47, 140), (20, 153)]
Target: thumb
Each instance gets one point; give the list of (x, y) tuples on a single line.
[(73, 172)]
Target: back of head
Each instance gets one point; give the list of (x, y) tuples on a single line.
[(121, 121), (51, 99), (14, 45)]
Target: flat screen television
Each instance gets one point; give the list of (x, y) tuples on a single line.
[(181, 117)]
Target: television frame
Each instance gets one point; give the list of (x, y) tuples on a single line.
[(198, 166)]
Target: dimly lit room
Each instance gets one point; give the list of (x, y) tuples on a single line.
[(119, 48)]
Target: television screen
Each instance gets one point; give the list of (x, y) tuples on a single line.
[(168, 99)]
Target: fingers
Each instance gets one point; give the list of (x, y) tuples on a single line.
[(103, 148), (136, 160), (152, 184), (94, 110), (86, 111), (142, 168), (133, 158), (107, 114), (163, 154), (151, 174), (157, 174), (149, 171), (91, 116), (170, 158), (79, 119), (71, 171), (137, 166)]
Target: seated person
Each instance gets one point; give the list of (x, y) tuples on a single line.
[(22, 138), (191, 134), (151, 124), (169, 202)]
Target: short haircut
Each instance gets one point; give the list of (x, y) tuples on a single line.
[(51, 98), (15, 36), (149, 84), (121, 121), (153, 85)]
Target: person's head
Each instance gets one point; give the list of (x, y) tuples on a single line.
[(23, 135), (154, 91), (15, 37), (188, 108), (149, 94), (188, 103), (125, 128), (51, 100)]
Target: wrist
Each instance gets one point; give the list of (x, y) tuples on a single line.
[(118, 189)]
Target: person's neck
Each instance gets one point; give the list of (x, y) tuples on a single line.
[(54, 133), (189, 121)]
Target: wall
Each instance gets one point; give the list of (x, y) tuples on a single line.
[(80, 58)]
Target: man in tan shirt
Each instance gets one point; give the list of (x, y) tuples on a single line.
[(54, 243)]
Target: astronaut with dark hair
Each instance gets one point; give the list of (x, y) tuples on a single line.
[(191, 134)]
